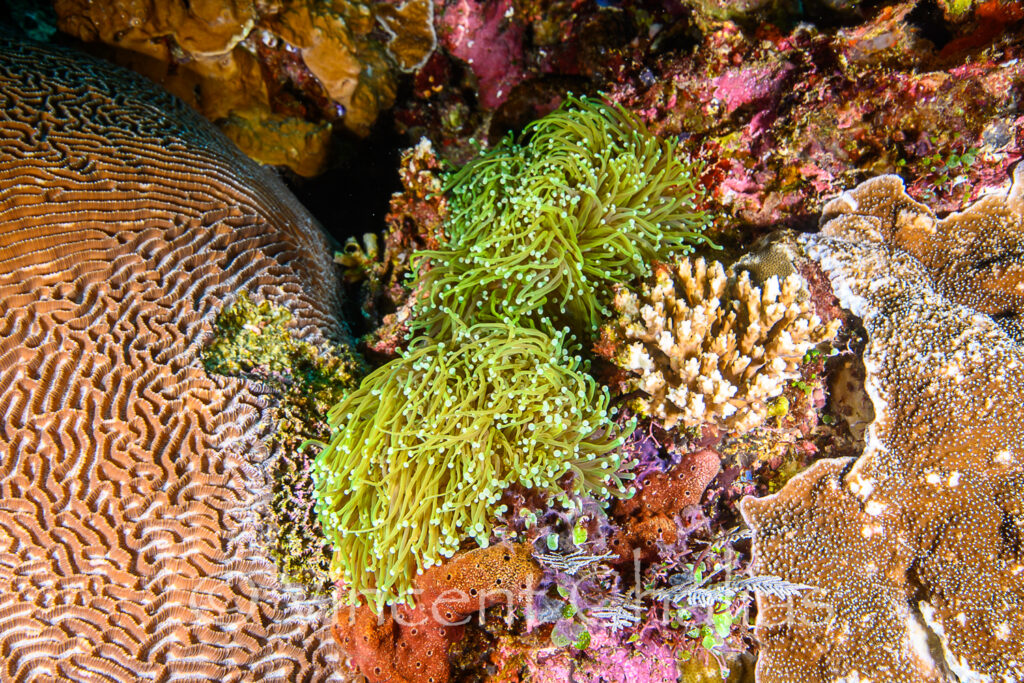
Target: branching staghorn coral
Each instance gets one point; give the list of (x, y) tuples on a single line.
[(709, 346), (546, 227), (422, 452)]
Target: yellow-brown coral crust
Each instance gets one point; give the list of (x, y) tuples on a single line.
[(221, 56), (710, 346), (972, 257), (915, 545), (130, 480)]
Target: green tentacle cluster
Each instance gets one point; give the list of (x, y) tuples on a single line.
[(547, 227), (428, 443), (490, 392)]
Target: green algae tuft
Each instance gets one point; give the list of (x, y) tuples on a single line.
[(253, 341)]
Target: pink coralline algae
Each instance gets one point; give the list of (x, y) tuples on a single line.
[(609, 660), (785, 119), (750, 86), (482, 34), (915, 546)]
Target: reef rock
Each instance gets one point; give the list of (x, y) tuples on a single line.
[(915, 546), (130, 480)]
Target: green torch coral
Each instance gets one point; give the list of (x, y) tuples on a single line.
[(546, 227), (422, 452), (489, 393)]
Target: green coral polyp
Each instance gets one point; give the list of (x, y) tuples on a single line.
[(547, 227), (422, 452), (489, 393)]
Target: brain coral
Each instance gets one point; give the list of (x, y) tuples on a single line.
[(915, 546), (710, 346), (129, 479), (425, 447)]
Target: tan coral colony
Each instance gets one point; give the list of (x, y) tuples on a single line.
[(708, 345), (915, 546)]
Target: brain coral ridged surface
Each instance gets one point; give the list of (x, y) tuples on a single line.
[(129, 479), (915, 546)]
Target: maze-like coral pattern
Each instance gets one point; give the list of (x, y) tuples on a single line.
[(130, 481)]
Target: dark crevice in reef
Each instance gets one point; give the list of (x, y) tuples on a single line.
[(351, 198), (917, 594), (927, 18), (1010, 533), (30, 18)]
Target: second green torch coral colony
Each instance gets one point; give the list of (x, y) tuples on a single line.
[(491, 390)]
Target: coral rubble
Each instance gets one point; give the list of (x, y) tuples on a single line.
[(710, 346), (914, 546)]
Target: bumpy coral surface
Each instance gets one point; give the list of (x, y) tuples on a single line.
[(480, 34), (411, 644), (709, 346), (914, 546), (788, 102), (279, 140), (423, 450), (968, 254), (790, 116), (608, 660), (130, 480), (647, 519)]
